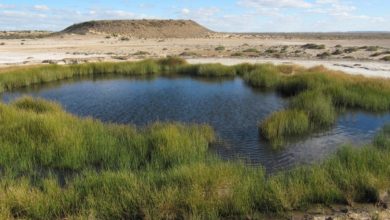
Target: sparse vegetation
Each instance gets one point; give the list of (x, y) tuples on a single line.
[(250, 50), (337, 52), (271, 51), (386, 58), (125, 39), (371, 48), (141, 53), (314, 46), (351, 49), (2, 44), (380, 53), (220, 48), (141, 28), (323, 55), (188, 54), (236, 54)]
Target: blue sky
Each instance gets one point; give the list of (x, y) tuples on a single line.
[(219, 15)]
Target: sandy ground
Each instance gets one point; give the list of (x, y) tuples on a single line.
[(366, 57)]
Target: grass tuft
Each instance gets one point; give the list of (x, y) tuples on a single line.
[(263, 76), (284, 124), (36, 105), (318, 107)]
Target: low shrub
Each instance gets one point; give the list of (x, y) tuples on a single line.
[(220, 48), (351, 50), (141, 53), (314, 46), (236, 54), (386, 58), (250, 50)]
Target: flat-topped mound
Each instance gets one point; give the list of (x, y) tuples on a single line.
[(141, 28)]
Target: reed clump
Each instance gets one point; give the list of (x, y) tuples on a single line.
[(318, 107), (263, 76), (284, 124)]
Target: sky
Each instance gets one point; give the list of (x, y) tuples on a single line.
[(218, 15)]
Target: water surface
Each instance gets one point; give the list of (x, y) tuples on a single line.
[(230, 106)]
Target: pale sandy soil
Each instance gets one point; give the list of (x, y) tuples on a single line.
[(278, 50)]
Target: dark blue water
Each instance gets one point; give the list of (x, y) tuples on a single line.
[(231, 107)]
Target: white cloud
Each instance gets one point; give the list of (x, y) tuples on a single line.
[(185, 11), (275, 3), (200, 13), (41, 7), (2, 6)]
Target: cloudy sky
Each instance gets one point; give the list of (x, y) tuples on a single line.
[(219, 15)]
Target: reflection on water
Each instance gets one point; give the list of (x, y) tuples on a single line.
[(231, 107)]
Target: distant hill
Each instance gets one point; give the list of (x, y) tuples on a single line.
[(141, 28)]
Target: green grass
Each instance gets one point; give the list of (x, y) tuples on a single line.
[(57, 166), (283, 124), (318, 107), (207, 70), (263, 76)]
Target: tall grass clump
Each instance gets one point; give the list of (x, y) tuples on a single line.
[(284, 124), (318, 107), (263, 76), (216, 70)]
